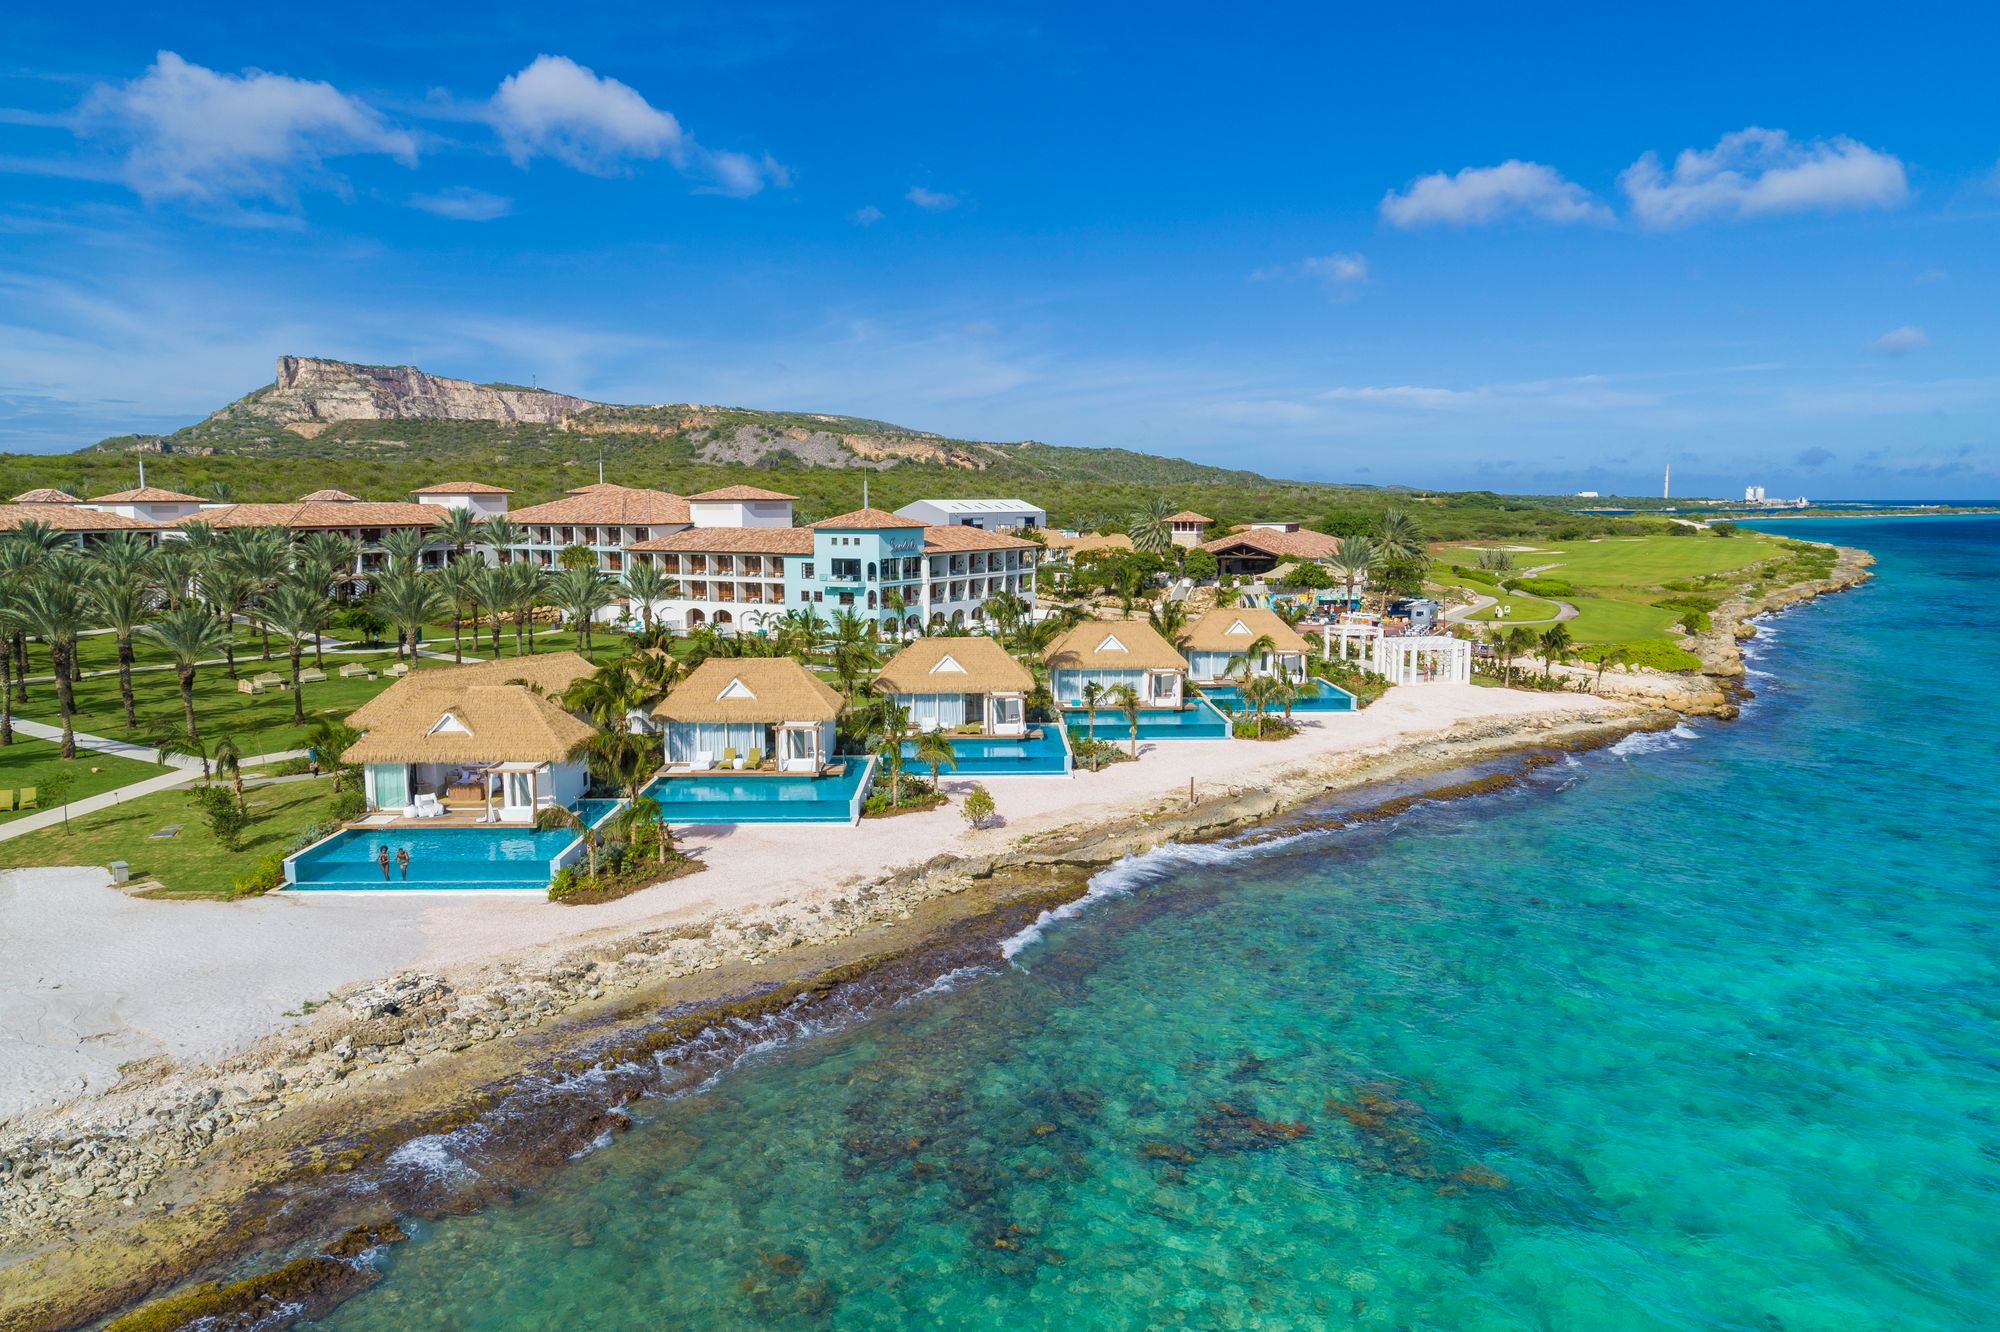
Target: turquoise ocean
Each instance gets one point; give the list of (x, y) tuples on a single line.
[(1700, 1031)]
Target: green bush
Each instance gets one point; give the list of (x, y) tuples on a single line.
[(978, 805), (270, 872), (1649, 653), (1486, 576), (1544, 587), (349, 804), (562, 884)]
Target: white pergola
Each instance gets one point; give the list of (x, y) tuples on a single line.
[(1423, 659), (1355, 637)]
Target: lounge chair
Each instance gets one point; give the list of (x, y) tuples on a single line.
[(311, 676), (754, 760), (28, 798), (352, 669), (703, 761), (249, 687), (400, 668), (427, 806), (271, 680), (729, 759), (6, 799)]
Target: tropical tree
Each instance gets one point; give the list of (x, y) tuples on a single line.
[(554, 818), (455, 581), (646, 583), (459, 529), (1126, 699), (1401, 556), (1353, 561), (801, 632), (1521, 640), (1170, 619), (854, 654), (55, 609), (261, 556), (170, 743), (117, 581), (1244, 664), (500, 535), (221, 492), (609, 695), (1149, 529), (228, 758), (1616, 656), (188, 635), (1555, 646), (298, 610), (1262, 694), (329, 740), (893, 722), (224, 586), (525, 585), (409, 601), (645, 812), (405, 548), (490, 586), (937, 753), (10, 596), (329, 555), (174, 568), (580, 593), (1093, 699)]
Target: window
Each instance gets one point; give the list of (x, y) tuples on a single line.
[(806, 570), (871, 571), (844, 570)]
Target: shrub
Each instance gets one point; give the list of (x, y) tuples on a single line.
[(1650, 653), (562, 884), (270, 872), (1544, 587), (349, 803), (1485, 576), (978, 806), (291, 767), (225, 818), (312, 833), (1364, 684), (1199, 565)]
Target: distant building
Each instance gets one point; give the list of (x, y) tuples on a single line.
[(1753, 494), (1586, 494), (483, 500), (990, 515), (1187, 527)]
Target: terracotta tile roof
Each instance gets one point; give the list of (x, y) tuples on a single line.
[(302, 514), (552, 672), (1233, 628), (609, 505), (1189, 516), (971, 538), (750, 689), (462, 488), (329, 497), (146, 495), (973, 665), (45, 495), (732, 540), (478, 723), (1299, 545), (742, 493), (865, 520), (69, 518), (1132, 645)]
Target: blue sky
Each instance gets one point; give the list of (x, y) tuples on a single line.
[(1443, 247)]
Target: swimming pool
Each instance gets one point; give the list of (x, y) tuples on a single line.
[(1040, 754), (1330, 698), (439, 858), (1198, 722), (731, 797)]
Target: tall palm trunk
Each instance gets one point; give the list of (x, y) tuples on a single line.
[(20, 668), (125, 675), (457, 618), (6, 696), (65, 697), (186, 674), (298, 702)]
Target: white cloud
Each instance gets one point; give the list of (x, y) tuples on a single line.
[(191, 133), (1488, 194), (931, 201), (1755, 172), (464, 204), (1343, 274), (557, 108), (1901, 341), (868, 215)]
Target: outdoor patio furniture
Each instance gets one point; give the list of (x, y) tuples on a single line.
[(27, 798), (702, 762), (754, 760), (311, 676), (729, 759), (271, 680), (6, 800), (249, 687), (352, 669), (465, 793), (400, 668), (427, 806)]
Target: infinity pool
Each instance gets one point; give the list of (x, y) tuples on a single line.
[(1330, 698), (439, 858), (1199, 722), (730, 797), (1042, 753)]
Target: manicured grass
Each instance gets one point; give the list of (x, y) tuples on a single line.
[(261, 723), (192, 864), (1526, 608), (29, 762), (99, 652), (1606, 620), (1644, 562)]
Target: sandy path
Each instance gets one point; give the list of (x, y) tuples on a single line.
[(90, 978)]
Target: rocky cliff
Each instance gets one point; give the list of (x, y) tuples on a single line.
[(310, 394)]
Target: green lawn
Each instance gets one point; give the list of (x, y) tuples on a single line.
[(1525, 608), (99, 652), (192, 864), (1632, 563), (1607, 620), (262, 723), (29, 762)]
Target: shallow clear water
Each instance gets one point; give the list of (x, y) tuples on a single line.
[(724, 797), (1329, 698), (1200, 722), (439, 857), (1698, 1033), (1041, 751)]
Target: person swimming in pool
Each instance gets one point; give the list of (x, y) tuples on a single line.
[(382, 859), (403, 862)]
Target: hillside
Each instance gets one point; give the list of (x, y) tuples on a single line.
[(382, 431)]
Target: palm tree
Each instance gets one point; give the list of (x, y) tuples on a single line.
[(490, 586), (223, 585), (553, 818), (405, 548), (10, 623), (54, 609), (409, 601), (646, 812), (1126, 699), (187, 635), (935, 751), (121, 597), (455, 581), (171, 744), (460, 529), (329, 740), (581, 593), (298, 610), (1400, 544), (331, 553), (19, 561), (854, 654), (1170, 619), (895, 603), (610, 694), (221, 492), (646, 583), (1520, 641), (228, 756), (894, 722), (1247, 660), (1148, 527), (262, 555), (1093, 698), (500, 535), (1617, 656), (1555, 645), (1353, 562), (524, 592), (1260, 694)]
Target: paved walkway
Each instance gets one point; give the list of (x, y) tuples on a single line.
[(182, 770)]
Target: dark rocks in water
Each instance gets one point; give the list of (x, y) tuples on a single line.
[(1230, 1128), (300, 1289)]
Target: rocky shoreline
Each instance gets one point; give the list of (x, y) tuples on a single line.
[(110, 1201)]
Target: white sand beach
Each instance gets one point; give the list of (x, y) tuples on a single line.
[(91, 979)]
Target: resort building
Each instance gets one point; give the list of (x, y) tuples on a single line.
[(148, 504), (1187, 526), (992, 515), (1063, 549), (60, 511), (1109, 653), (959, 684), (604, 519), (364, 522), (1250, 551), (483, 500), (766, 714), (486, 741), (1218, 646)]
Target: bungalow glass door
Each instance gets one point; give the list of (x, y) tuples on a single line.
[(521, 790), (1006, 715), (800, 750)]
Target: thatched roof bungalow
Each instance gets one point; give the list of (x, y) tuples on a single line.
[(949, 683), (729, 709), (1110, 653), (1218, 645)]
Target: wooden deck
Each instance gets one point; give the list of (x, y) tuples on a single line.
[(474, 817)]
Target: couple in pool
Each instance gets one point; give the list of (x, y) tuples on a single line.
[(402, 860)]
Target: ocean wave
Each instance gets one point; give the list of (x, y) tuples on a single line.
[(435, 1157), (948, 982), (1653, 742)]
